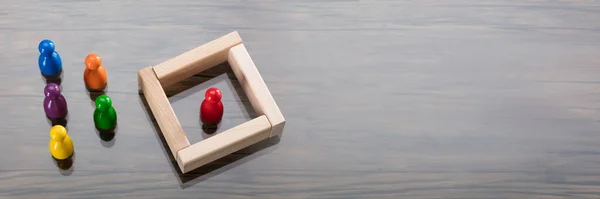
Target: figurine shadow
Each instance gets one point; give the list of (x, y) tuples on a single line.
[(56, 78), (65, 167), (96, 93), (58, 121), (208, 128), (225, 163), (107, 136)]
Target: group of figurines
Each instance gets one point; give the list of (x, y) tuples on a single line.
[(105, 116), (55, 104)]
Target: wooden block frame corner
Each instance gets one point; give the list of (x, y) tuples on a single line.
[(229, 48)]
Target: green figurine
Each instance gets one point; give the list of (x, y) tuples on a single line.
[(105, 116)]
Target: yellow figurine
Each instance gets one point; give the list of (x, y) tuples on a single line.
[(61, 146)]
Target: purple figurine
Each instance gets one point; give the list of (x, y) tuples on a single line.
[(55, 104)]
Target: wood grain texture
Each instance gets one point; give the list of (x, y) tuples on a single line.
[(196, 60), (382, 99), (223, 144), (254, 86), (161, 110)]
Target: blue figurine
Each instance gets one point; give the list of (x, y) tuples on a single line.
[(49, 62)]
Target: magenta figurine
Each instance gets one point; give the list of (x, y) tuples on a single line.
[(55, 104)]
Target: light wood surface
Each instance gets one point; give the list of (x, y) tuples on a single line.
[(255, 89), (461, 99), (223, 144), (161, 110)]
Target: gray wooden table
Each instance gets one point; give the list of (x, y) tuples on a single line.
[(383, 99)]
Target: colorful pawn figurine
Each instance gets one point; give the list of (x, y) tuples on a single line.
[(55, 104), (211, 109), (94, 74), (105, 116), (61, 145), (49, 61)]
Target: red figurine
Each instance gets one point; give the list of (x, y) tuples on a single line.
[(211, 110)]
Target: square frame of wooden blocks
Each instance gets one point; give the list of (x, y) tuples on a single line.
[(228, 48)]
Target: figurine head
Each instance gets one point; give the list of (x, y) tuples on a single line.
[(58, 133), (52, 89), (103, 102), (46, 47), (93, 61), (213, 95)]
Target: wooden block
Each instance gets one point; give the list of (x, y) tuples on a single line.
[(223, 144), (255, 88), (229, 48), (196, 60), (162, 110)]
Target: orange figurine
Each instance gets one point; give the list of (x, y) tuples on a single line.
[(94, 74)]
